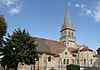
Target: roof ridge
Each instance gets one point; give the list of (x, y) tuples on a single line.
[(47, 39)]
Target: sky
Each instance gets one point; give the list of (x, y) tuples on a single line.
[(44, 18)]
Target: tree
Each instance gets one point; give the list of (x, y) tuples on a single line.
[(3, 28), (20, 47)]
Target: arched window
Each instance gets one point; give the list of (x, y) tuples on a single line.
[(49, 59), (64, 61), (84, 62), (67, 61), (91, 61)]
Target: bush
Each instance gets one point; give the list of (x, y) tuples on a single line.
[(73, 67)]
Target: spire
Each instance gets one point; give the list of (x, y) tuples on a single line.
[(68, 31), (67, 21)]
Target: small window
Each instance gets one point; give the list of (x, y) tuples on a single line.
[(67, 61), (84, 62), (65, 53), (91, 61), (64, 61), (49, 59)]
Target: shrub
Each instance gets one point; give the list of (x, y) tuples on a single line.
[(73, 67)]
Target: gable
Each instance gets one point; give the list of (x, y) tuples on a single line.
[(66, 52)]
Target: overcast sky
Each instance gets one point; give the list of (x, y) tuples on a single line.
[(43, 18)]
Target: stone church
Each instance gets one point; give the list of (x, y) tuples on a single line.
[(57, 54)]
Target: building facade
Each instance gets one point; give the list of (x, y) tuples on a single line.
[(55, 55)]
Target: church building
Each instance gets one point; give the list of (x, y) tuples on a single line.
[(57, 54)]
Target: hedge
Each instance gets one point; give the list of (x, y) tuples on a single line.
[(73, 67)]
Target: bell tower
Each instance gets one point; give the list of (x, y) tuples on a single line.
[(68, 31)]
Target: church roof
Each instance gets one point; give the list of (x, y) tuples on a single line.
[(67, 22), (49, 46), (79, 48), (73, 50), (56, 47)]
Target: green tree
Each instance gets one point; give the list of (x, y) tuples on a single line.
[(20, 47), (3, 28)]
